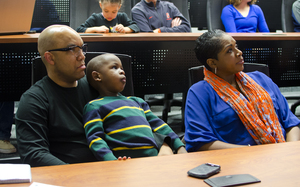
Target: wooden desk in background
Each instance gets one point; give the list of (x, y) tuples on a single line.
[(159, 61), (274, 164)]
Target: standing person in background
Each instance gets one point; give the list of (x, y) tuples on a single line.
[(296, 15), (243, 16), (109, 20), (159, 16), (6, 120)]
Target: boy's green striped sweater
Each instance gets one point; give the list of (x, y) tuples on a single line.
[(120, 126)]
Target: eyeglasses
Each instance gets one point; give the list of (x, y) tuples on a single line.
[(76, 50)]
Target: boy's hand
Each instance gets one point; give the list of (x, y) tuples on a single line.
[(120, 28), (124, 158), (181, 150), (165, 150), (101, 29)]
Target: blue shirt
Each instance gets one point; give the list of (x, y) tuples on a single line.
[(208, 118), (234, 21)]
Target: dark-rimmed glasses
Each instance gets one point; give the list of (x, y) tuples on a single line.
[(75, 49)]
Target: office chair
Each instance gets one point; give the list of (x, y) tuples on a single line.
[(196, 73), (272, 15), (286, 16), (213, 14), (197, 13), (39, 70)]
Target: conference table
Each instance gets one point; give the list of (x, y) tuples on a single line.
[(160, 61), (274, 164)]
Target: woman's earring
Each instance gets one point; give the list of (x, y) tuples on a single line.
[(215, 70)]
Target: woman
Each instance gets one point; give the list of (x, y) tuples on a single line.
[(230, 108), (243, 16)]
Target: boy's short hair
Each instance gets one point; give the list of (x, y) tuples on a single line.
[(94, 65)]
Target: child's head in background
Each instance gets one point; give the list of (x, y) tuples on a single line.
[(110, 8)]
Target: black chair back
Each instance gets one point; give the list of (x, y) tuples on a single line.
[(272, 13), (213, 14), (286, 16), (196, 73), (38, 70), (197, 13)]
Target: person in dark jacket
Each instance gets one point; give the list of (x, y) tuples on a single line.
[(159, 16), (109, 20)]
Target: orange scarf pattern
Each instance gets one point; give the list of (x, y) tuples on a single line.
[(256, 110)]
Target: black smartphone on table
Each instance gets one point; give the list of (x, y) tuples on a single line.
[(204, 171)]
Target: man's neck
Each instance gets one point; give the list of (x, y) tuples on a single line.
[(64, 84)]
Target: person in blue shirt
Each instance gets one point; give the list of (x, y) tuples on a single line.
[(296, 15), (230, 108), (243, 16), (109, 20), (159, 16)]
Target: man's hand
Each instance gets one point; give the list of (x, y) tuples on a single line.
[(176, 22)]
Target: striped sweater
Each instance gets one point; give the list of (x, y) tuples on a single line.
[(120, 126)]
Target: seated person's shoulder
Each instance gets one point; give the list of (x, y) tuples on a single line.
[(138, 7), (122, 14), (202, 89), (258, 74), (256, 7), (228, 9), (296, 4), (136, 99)]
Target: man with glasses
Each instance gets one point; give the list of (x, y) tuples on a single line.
[(49, 121), (49, 118)]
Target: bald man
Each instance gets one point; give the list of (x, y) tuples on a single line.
[(49, 118)]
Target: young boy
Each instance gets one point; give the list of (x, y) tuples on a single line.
[(116, 125), (109, 20)]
